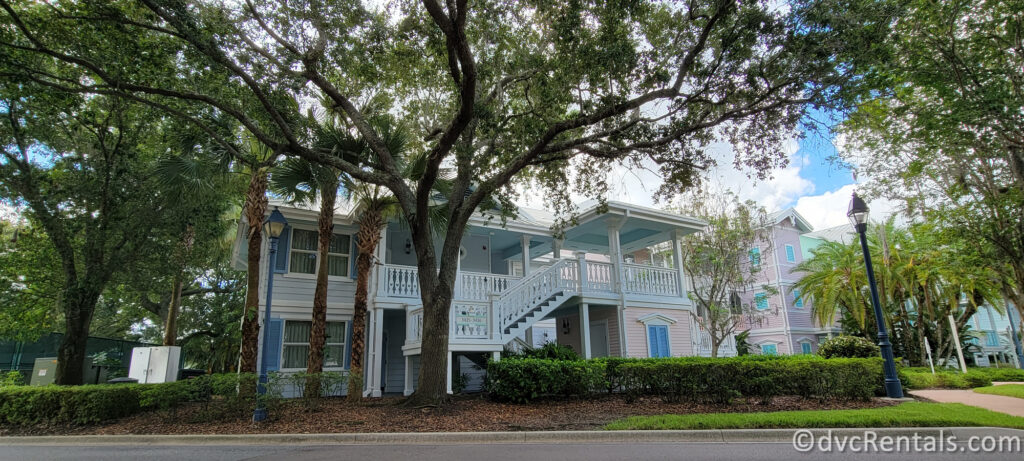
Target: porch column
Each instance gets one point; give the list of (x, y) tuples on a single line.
[(408, 376), (378, 268), (526, 255), (451, 357), (581, 258), (496, 355), (378, 353), (556, 248), (677, 261), (615, 248), (369, 353), (585, 329)]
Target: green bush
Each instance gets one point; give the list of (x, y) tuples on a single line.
[(845, 346), (24, 405), (12, 378), (688, 378), (524, 379), (918, 378), (549, 351)]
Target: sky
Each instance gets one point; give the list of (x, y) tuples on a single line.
[(813, 182)]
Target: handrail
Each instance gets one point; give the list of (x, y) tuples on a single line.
[(533, 289)]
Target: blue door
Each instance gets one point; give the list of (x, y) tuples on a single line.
[(657, 338)]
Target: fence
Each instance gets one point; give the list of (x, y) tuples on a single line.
[(21, 356)]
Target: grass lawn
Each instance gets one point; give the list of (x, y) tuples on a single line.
[(1009, 390), (910, 414)]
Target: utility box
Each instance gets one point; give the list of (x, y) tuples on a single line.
[(44, 372), (155, 364)]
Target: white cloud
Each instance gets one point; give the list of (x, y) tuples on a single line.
[(829, 209)]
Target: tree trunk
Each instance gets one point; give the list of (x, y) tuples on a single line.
[(255, 211), (188, 238), (436, 290), (318, 327), (370, 226), (78, 306)]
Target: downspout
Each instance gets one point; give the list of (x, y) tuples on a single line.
[(782, 294)]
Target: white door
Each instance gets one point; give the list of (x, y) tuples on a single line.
[(599, 339)]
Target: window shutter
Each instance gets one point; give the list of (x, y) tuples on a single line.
[(652, 341), (790, 254), (353, 254), (663, 341), (348, 345), (283, 245), (273, 346)]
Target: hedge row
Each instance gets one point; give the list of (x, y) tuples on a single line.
[(687, 378)]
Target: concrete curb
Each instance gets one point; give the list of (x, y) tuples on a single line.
[(451, 438)]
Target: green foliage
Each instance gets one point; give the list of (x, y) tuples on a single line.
[(549, 351), (459, 382), (910, 414), (24, 405), (1009, 390), (849, 347), (11, 378), (742, 346), (526, 379), (715, 380), (916, 378)]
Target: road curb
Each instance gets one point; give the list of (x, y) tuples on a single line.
[(449, 438)]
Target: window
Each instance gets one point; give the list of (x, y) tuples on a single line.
[(755, 257), (761, 301), (657, 340), (303, 253), (295, 351), (790, 254), (797, 300), (769, 349), (805, 348)]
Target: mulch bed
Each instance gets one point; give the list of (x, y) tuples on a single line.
[(471, 413)]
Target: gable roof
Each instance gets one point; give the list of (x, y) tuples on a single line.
[(798, 221), (842, 233)]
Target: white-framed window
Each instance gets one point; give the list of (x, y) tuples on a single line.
[(769, 349), (755, 256), (761, 301), (659, 344), (295, 347), (805, 347), (790, 254), (302, 259)]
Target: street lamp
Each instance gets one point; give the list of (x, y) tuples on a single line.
[(858, 214), (272, 227)]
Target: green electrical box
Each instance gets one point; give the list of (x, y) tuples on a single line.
[(44, 371)]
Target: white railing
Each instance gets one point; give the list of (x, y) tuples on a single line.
[(701, 340), (399, 282), (470, 320), (649, 280), (478, 286), (414, 326), (534, 289), (600, 277)]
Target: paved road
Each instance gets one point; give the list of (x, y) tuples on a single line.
[(488, 452)]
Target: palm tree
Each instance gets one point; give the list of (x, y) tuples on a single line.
[(833, 282)]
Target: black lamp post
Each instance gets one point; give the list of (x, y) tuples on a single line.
[(272, 227), (858, 214)]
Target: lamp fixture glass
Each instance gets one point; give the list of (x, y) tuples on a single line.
[(274, 225)]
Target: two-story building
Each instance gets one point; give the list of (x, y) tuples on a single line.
[(588, 283)]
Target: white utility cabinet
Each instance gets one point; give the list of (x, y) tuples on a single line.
[(155, 364)]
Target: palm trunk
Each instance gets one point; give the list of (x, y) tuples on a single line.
[(255, 211), (184, 250), (318, 328), (370, 226)]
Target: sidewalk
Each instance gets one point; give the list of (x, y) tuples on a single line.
[(1001, 403)]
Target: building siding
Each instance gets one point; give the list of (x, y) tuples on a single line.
[(680, 342)]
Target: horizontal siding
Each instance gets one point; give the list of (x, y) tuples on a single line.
[(293, 290), (612, 316), (680, 343)]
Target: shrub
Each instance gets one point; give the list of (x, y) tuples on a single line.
[(549, 351), (12, 378), (848, 347), (23, 405), (526, 379), (916, 378)]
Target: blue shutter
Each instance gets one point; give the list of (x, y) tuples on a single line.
[(348, 345), (275, 335), (797, 300), (790, 256), (761, 300), (283, 245), (663, 341), (805, 348), (652, 341), (353, 254)]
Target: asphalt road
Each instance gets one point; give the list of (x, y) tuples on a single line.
[(487, 452)]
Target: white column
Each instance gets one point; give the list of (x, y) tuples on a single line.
[(526, 255), (408, 376), (378, 352), (581, 258), (585, 329), (556, 248), (614, 247), (451, 357), (496, 355), (677, 261)]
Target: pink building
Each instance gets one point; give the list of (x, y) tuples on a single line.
[(784, 324)]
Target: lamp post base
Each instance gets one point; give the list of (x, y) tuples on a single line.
[(259, 415), (893, 389)]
